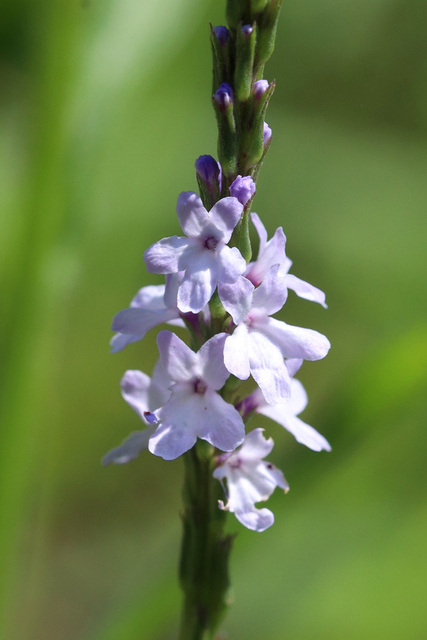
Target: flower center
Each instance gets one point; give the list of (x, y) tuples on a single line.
[(211, 243), (235, 463), (199, 386)]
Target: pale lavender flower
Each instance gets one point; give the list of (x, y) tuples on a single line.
[(195, 409), (152, 305), (144, 395), (250, 479), (259, 343), (203, 254), (285, 413), (243, 188), (273, 252)]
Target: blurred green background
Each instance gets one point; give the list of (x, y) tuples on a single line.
[(104, 107)]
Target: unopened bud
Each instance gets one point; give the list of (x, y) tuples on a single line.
[(267, 134), (222, 101), (222, 34), (259, 88), (245, 51), (208, 174), (243, 188), (224, 96), (208, 170)]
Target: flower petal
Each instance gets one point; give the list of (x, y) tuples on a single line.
[(256, 519), (120, 340), (150, 297), (302, 432), (135, 387), (231, 264), (137, 322), (273, 253), (163, 256), (225, 214), (298, 400), (271, 294), (211, 358), (173, 280), (130, 448), (255, 445), (180, 362), (296, 342), (268, 368), (191, 213), (236, 353), (219, 422), (261, 231), (237, 298), (305, 290), (199, 283), (177, 432), (294, 365), (159, 392)]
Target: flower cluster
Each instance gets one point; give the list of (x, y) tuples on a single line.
[(227, 305)]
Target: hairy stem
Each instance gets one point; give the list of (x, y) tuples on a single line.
[(205, 548)]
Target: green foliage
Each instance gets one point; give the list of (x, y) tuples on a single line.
[(103, 110)]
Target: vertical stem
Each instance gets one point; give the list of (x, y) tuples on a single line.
[(205, 549)]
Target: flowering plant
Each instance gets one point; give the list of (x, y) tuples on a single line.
[(195, 405)]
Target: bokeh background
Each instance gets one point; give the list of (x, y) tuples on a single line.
[(104, 107)]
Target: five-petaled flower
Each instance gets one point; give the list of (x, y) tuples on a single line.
[(259, 343), (194, 409), (250, 479), (203, 254)]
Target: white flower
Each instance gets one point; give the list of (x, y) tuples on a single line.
[(250, 480), (259, 343), (195, 409), (203, 254), (272, 252)]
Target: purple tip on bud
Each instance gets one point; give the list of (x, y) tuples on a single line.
[(224, 95), (208, 169), (259, 88), (267, 133), (243, 189), (247, 29), (222, 34)]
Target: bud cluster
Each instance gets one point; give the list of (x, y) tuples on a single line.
[(240, 94)]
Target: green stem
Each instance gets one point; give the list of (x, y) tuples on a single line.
[(205, 549)]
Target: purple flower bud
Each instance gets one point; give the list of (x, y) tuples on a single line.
[(267, 133), (247, 30), (243, 189), (259, 88), (222, 34), (224, 96), (208, 169)]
